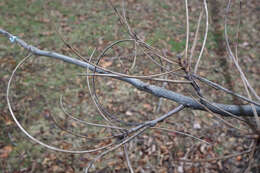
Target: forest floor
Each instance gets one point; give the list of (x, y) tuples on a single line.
[(93, 24)]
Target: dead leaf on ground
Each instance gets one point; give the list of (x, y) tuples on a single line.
[(106, 64), (148, 107), (4, 152)]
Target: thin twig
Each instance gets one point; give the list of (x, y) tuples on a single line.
[(219, 87), (28, 134), (142, 77), (195, 40), (115, 147), (216, 158), (247, 85), (205, 36), (181, 133), (85, 122), (187, 31), (128, 159)]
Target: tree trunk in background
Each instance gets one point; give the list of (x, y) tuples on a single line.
[(215, 7)]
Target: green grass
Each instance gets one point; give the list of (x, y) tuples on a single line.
[(177, 46)]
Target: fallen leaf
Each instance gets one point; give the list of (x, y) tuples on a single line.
[(129, 113), (4, 152), (46, 33), (45, 161), (56, 168), (106, 64), (7, 120), (196, 125), (66, 145), (148, 107), (239, 158)]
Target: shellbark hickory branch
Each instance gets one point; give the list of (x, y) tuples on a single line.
[(238, 110)]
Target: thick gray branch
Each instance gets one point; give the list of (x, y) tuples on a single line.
[(239, 110)]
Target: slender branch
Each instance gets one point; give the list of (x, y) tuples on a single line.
[(32, 137), (115, 147), (180, 133), (246, 84), (85, 122), (128, 159), (195, 40), (217, 158), (239, 110), (219, 87), (205, 37), (187, 31)]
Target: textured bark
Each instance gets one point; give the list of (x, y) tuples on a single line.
[(238, 110)]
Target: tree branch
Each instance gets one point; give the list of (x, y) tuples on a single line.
[(239, 110)]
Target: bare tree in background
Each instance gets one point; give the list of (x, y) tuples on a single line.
[(180, 70)]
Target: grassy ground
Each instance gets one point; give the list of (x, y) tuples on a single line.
[(93, 24)]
